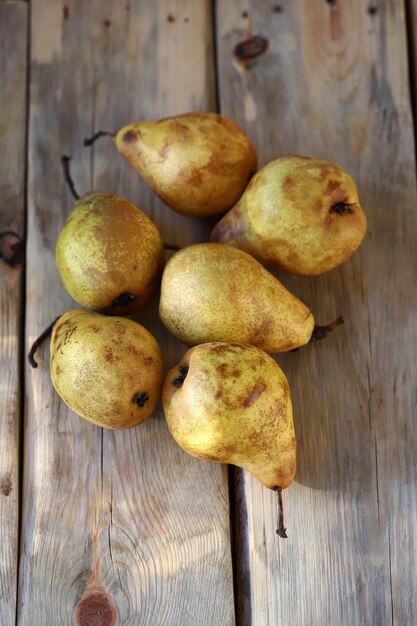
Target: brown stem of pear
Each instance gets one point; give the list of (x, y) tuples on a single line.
[(171, 246), (65, 161), (39, 341), (281, 530), (100, 133), (320, 332)]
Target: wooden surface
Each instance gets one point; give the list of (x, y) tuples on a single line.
[(13, 36), (334, 83), (126, 516), (126, 511)]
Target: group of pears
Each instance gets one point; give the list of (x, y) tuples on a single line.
[(227, 400)]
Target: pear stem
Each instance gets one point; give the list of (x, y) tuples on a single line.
[(39, 341), (281, 530), (65, 161), (100, 133), (320, 332), (171, 246)]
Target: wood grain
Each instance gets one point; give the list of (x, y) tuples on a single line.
[(410, 7), (333, 82), (13, 35), (125, 517)]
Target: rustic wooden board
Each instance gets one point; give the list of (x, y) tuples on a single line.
[(128, 511), (411, 20), (13, 36), (333, 82)]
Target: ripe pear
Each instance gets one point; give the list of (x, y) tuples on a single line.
[(198, 163), (109, 370), (109, 254), (298, 213), (214, 292), (231, 403)]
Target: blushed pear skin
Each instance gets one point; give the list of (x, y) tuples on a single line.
[(108, 370), (198, 163), (231, 403), (299, 213), (214, 292), (109, 254)]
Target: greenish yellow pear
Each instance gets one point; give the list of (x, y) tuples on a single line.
[(299, 213), (214, 292), (231, 403), (109, 254), (198, 163), (108, 370)]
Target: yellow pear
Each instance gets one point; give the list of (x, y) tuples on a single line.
[(109, 254), (109, 370), (198, 163), (231, 403), (298, 213), (214, 292)]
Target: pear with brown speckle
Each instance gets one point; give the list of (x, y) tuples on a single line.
[(215, 292), (231, 403), (198, 163), (108, 370), (109, 254), (298, 213)]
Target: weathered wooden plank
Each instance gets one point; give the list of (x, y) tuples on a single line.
[(13, 37), (333, 82), (129, 509), (411, 21)]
